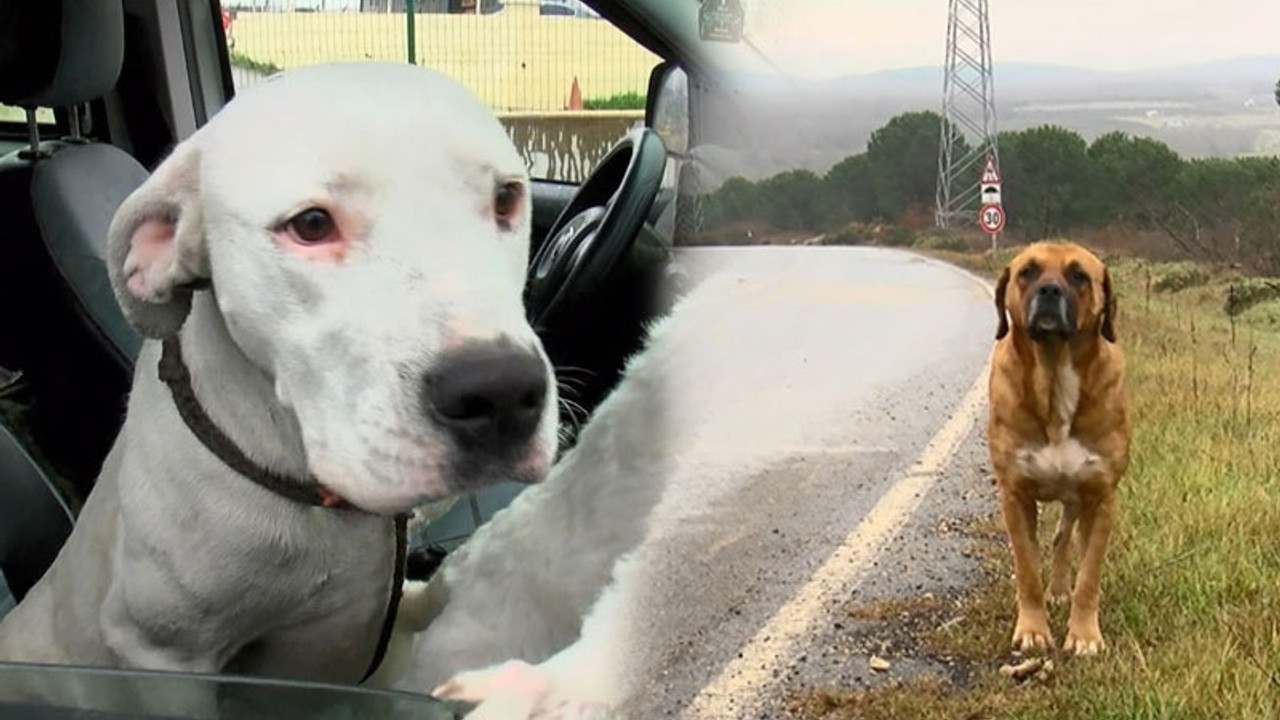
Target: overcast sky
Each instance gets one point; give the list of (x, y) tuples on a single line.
[(838, 37)]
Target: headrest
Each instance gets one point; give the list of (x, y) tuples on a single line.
[(59, 53)]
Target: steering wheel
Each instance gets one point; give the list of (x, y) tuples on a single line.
[(597, 228)]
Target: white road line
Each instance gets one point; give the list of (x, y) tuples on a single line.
[(744, 680), (733, 447), (742, 683)]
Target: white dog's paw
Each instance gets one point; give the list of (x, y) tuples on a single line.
[(516, 690)]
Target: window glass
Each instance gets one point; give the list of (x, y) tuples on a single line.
[(10, 114), (566, 83)]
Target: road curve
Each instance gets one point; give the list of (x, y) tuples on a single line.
[(823, 402)]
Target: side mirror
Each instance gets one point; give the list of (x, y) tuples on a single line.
[(667, 109)]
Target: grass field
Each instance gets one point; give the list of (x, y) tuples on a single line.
[(514, 60), (1191, 586)]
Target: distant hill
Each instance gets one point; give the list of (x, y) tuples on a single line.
[(1248, 73), (1222, 109)]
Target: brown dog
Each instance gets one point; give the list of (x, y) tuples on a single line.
[(1058, 429)]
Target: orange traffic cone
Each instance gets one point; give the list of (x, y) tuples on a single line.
[(575, 95)]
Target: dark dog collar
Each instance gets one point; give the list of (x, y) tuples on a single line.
[(174, 373)]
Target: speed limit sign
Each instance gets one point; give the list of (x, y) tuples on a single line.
[(991, 218)]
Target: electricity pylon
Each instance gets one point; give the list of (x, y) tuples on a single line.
[(968, 112)]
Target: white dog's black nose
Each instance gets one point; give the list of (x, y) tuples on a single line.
[(487, 394)]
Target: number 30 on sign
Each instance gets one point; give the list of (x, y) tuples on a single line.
[(991, 218)]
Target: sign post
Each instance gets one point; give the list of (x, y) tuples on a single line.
[(410, 12), (991, 216)]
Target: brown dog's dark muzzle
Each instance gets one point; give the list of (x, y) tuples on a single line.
[(1051, 312)]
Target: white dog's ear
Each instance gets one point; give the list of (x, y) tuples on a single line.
[(156, 251)]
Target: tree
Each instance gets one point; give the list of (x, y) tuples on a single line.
[(1047, 180), (902, 157), (1055, 183), (1214, 202), (848, 192), (1259, 239), (1134, 182), (791, 200), (737, 200)]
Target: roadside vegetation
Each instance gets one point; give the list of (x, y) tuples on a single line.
[(618, 101), (240, 60), (1191, 586), (1055, 183)]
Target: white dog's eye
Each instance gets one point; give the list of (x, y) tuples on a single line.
[(312, 225), (506, 201)]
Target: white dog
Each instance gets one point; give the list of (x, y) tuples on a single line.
[(535, 616), (502, 623), (341, 253)]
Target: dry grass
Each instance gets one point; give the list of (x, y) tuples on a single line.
[(514, 60), (1191, 588)]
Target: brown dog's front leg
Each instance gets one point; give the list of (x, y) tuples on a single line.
[(1084, 636), (1032, 630), (1060, 572)]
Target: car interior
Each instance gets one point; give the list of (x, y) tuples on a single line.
[(97, 92)]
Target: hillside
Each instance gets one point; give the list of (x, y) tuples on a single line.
[(1220, 109)]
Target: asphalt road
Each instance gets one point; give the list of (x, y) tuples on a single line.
[(827, 412)]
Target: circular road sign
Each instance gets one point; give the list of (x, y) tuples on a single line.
[(991, 218)]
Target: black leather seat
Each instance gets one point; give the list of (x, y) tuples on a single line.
[(34, 519)]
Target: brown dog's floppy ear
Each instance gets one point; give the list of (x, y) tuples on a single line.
[(1001, 285), (156, 250), (1108, 308)]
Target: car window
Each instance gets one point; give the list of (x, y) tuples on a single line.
[(10, 114), (565, 82)]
